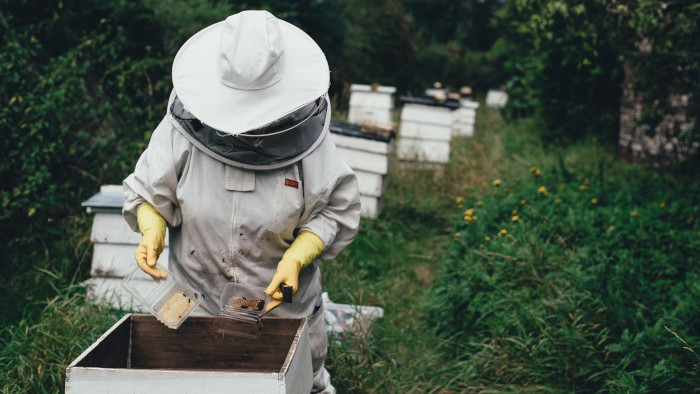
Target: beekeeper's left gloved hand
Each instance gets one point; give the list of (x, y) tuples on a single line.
[(305, 249)]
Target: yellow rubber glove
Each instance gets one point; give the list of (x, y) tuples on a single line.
[(152, 226), (305, 249)]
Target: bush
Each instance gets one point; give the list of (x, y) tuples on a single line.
[(575, 282), (565, 66)]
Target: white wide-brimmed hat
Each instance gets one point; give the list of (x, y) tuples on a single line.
[(247, 71)]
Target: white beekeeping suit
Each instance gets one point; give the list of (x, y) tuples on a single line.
[(243, 162)]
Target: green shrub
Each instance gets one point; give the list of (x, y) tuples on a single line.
[(569, 281), (564, 66)]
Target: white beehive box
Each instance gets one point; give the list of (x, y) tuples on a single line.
[(114, 245), (369, 156), (425, 133), (371, 102), (464, 118), (496, 98), (140, 355)]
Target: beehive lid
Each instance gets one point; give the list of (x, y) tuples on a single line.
[(429, 100), (109, 199), (355, 130)]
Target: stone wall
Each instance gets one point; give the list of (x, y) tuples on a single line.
[(669, 143)]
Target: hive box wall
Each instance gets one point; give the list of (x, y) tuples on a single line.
[(140, 355)]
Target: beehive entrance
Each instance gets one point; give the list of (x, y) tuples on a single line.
[(144, 343)]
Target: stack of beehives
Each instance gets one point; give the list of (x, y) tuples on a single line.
[(114, 247), (464, 118), (425, 129), (366, 142), (371, 102), (369, 156)]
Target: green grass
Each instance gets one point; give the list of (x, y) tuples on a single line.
[(560, 303)]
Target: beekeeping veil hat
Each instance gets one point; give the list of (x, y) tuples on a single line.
[(252, 85)]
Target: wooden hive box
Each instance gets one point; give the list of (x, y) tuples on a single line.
[(113, 251), (464, 118), (140, 355), (371, 102), (369, 156), (425, 130), (496, 98)]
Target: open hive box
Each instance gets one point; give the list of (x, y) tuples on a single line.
[(140, 354)]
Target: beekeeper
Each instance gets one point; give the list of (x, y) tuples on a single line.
[(244, 173)]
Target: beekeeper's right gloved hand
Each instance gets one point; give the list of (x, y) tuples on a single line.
[(152, 226)]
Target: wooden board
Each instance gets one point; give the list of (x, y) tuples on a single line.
[(425, 131), (362, 144), (371, 100), (373, 88), (462, 130), (112, 228), (370, 207), (139, 354), (365, 161), (358, 114), (117, 260), (372, 185), (421, 150), (426, 114)]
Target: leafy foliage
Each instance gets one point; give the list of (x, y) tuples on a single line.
[(567, 61), (565, 66), (569, 281)]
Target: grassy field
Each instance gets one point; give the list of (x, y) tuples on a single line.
[(467, 310)]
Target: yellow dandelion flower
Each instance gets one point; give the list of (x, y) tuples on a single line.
[(663, 204), (611, 228), (514, 211), (522, 202), (459, 200), (542, 190), (582, 187), (502, 233), (469, 212), (474, 217), (103, 20), (479, 203), (12, 100), (458, 234), (487, 238), (538, 172), (496, 182), (634, 214), (515, 218), (594, 201), (532, 169)]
